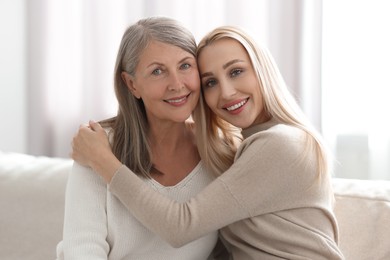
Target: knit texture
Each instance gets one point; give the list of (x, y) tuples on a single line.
[(98, 226), (270, 204)]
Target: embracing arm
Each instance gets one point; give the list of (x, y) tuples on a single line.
[(265, 178), (177, 223)]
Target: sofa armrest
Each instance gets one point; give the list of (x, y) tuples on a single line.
[(32, 195), (362, 209)]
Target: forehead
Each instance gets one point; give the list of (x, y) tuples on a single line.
[(157, 51), (221, 51)]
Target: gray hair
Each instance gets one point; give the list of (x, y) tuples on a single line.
[(130, 144)]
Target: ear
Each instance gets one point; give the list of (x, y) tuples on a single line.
[(129, 81)]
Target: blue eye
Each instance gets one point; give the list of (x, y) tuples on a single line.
[(236, 72), (157, 72), (210, 83), (185, 66)]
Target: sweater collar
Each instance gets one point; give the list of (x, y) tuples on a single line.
[(258, 128)]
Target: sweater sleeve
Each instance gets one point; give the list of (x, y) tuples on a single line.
[(178, 223), (249, 188), (85, 228)]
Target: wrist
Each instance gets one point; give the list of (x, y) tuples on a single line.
[(106, 166)]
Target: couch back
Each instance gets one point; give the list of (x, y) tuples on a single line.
[(32, 192), (363, 213)]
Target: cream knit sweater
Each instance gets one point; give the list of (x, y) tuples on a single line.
[(268, 205), (98, 226)]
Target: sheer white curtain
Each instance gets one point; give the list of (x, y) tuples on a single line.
[(356, 86), (72, 47)]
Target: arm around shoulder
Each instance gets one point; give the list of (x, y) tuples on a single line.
[(178, 223)]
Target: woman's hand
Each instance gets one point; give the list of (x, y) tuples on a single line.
[(90, 141), (91, 148)]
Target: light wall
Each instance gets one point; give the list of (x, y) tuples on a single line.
[(12, 76)]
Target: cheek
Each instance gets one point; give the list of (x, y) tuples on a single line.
[(154, 92), (211, 98), (193, 81), (258, 96)]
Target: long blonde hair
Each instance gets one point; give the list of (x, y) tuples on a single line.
[(130, 127), (278, 101)]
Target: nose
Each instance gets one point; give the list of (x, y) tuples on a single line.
[(227, 90), (175, 83)]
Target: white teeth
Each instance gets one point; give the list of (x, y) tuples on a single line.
[(176, 100), (236, 106)]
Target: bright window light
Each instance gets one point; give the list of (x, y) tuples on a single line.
[(356, 86)]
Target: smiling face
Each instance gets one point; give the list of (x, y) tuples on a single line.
[(167, 81), (231, 88)]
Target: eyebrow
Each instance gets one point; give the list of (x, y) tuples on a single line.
[(227, 64), (154, 63), (161, 64)]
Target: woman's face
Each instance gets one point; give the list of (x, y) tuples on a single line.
[(229, 83), (167, 81)]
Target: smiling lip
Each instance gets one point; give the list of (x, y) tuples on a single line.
[(236, 106), (177, 101)]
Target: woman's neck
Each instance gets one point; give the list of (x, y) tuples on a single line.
[(174, 153), (168, 137)]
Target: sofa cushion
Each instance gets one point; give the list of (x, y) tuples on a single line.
[(32, 193), (363, 212)]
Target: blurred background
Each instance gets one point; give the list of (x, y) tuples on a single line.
[(57, 60)]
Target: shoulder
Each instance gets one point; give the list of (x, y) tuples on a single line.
[(279, 138), (84, 178), (283, 133)]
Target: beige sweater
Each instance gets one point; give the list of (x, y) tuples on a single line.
[(268, 205)]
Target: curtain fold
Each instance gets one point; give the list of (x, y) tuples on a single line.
[(295, 42), (72, 49)]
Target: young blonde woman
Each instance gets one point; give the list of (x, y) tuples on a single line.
[(157, 86), (276, 200)]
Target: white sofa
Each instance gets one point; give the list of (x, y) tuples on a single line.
[(32, 206)]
